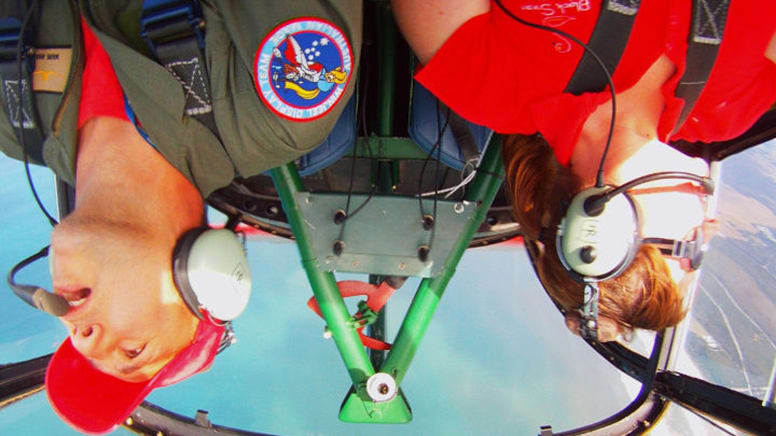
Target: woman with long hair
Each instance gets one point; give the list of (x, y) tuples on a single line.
[(495, 71), (645, 296)]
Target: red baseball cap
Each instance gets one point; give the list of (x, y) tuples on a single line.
[(94, 402)]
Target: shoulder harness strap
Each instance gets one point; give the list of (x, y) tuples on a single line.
[(708, 25), (17, 62), (616, 19), (174, 30)]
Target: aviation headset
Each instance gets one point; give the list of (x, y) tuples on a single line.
[(210, 272), (210, 269), (598, 237)]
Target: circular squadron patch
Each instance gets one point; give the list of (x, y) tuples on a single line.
[(302, 68)]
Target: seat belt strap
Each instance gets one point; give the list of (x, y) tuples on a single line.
[(463, 136), (174, 30), (708, 25), (609, 38), (17, 82)]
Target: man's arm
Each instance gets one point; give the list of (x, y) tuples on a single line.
[(426, 24)]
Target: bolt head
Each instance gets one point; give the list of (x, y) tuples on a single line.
[(423, 252), (381, 387)]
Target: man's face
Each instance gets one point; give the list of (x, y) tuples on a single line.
[(126, 316)]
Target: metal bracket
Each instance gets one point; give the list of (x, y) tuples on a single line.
[(393, 249)]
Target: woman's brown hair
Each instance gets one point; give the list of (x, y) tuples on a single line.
[(643, 296)]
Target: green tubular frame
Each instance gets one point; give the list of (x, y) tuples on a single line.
[(358, 407), (287, 183), (482, 192)]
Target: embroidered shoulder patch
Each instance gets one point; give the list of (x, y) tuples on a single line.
[(302, 68)]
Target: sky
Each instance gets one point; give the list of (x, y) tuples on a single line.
[(496, 358)]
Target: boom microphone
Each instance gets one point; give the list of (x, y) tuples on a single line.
[(595, 203), (35, 296)]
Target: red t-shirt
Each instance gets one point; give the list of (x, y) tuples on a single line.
[(510, 77), (101, 93)]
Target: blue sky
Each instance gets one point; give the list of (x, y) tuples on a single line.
[(496, 359)]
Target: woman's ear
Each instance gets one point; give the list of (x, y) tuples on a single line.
[(608, 329), (545, 219), (538, 247)]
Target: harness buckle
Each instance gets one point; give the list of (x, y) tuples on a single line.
[(168, 21)]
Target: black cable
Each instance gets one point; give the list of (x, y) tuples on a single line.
[(594, 204), (432, 225), (352, 171), (369, 197), (440, 132), (600, 175), (362, 122), (437, 144), (20, 90), (365, 132)]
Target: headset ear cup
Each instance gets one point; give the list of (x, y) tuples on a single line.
[(180, 258), (598, 247), (211, 272)]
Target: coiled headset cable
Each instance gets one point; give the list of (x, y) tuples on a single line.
[(589, 308), (599, 180), (32, 295), (589, 212), (21, 52)]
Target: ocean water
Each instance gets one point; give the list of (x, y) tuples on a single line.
[(496, 359)]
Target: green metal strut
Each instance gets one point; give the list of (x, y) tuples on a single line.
[(287, 183), (358, 406), (483, 190)]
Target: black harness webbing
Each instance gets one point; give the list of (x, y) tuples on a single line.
[(708, 25), (16, 88), (463, 136), (609, 38), (611, 33), (174, 31)]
